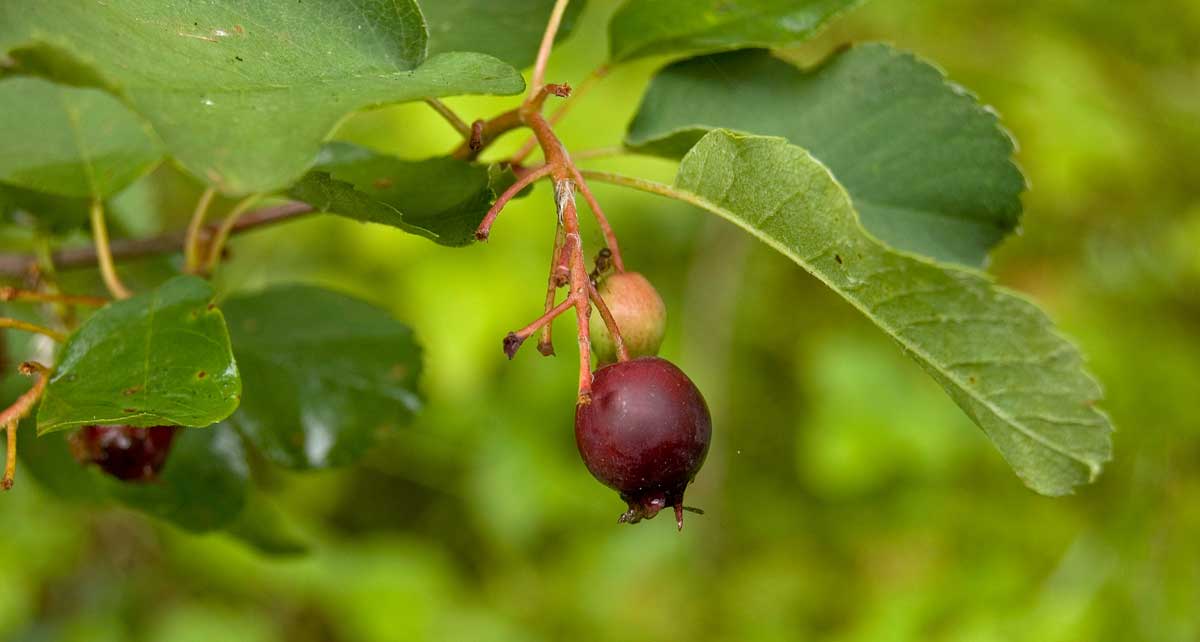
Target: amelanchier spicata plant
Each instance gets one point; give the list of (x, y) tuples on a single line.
[(870, 170)]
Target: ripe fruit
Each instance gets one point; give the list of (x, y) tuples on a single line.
[(644, 434), (639, 312), (125, 452)]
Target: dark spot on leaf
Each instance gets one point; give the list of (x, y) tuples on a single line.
[(971, 379), (202, 374), (129, 410), (399, 371), (838, 258), (131, 391), (238, 58), (239, 29), (211, 306), (383, 183)]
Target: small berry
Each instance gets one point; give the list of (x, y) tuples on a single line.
[(640, 314), (645, 434), (125, 452)]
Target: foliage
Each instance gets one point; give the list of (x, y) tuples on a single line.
[(844, 492)]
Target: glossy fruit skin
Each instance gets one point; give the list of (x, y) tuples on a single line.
[(127, 453), (640, 314), (645, 434)]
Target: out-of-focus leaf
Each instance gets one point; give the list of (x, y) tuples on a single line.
[(325, 374), (243, 93), (929, 168), (994, 352), (70, 141), (203, 485), (159, 358), (49, 213), (264, 527), (642, 28), (442, 199), (510, 30)]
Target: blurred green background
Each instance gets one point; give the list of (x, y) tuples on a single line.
[(847, 498)]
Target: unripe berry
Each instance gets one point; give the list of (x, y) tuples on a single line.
[(125, 452), (639, 312), (645, 434)]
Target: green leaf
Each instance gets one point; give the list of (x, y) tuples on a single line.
[(929, 168), (159, 358), (57, 215), (640, 28), (510, 30), (243, 93), (203, 486), (442, 199), (996, 354), (69, 141), (325, 374)]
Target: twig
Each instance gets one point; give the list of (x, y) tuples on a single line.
[(108, 271), (445, 112), (17, 265), (17, 324), (13, 294), (191, 244)]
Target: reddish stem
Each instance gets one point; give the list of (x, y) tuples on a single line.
[(485, 227), (610, 237), (609, 322), (10, 418), (546, 342), (513, 341)]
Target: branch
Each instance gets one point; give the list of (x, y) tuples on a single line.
[(18, 265)]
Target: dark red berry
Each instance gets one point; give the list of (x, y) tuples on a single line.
[(125, 452), (645, 434)]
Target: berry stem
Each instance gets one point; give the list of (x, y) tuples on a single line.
[(546, 342), (17, 324), (10, 459), (610, 237), (191, 244), (485, 226), (14, 294), (104, 256), (609, 322), (514, 339), (217, 246), (11, 417)]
